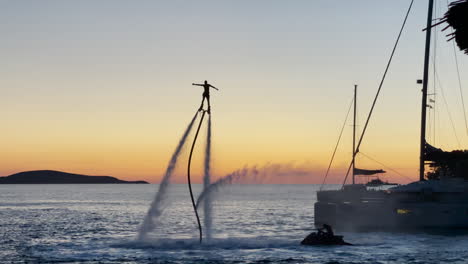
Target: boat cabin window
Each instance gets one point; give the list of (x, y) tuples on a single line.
[(403, 211)]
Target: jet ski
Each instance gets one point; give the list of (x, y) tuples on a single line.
[(324, 236)]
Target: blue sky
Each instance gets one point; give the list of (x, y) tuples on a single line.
[(85, 79)]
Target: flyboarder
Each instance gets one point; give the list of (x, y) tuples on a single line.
[(206, 94)]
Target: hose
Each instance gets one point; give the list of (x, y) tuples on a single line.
[(188, 176)]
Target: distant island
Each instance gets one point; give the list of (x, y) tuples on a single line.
[(58, 177)]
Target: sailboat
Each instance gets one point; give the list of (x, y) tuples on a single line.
[(363, 172), (438, 200)]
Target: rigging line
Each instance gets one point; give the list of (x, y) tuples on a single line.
[(460, 86), (337, 143), (434, 65), (188, 176), (459, 80), (448, 110), (430, 125), (438, 127), (386, 167), (380, 87), (434, 113)]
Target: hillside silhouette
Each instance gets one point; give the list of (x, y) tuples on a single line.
[(58, 177)]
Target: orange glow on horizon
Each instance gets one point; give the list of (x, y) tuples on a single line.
[(90, 93)]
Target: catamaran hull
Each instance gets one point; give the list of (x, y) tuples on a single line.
[(365, 216)]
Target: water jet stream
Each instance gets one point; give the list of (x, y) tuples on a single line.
[(228, 179), (254, 174), (207, 219), (156, 207)]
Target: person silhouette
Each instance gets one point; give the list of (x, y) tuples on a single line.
[(325, 230), (206, 94)]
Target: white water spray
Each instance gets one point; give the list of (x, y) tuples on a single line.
[(253, 174), (228, 179), (157, 205), (207, 219)]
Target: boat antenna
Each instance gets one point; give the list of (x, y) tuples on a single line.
[(424, 91), (380, 88)]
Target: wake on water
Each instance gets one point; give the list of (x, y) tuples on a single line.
[(214, 243)]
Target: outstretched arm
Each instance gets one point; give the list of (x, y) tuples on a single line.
[(214, 87), (197, 84)]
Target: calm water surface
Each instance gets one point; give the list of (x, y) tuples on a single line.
[(252, 224)]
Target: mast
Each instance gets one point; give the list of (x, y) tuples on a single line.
[(354, 131), (424, 90)]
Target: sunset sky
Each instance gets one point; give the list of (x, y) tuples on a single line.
[(104, 87)]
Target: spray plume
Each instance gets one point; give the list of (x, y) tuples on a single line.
[(254, 174), (207, 219), (157, 207), (233, 177)]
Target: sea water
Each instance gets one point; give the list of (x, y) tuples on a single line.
[(251, 224)]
